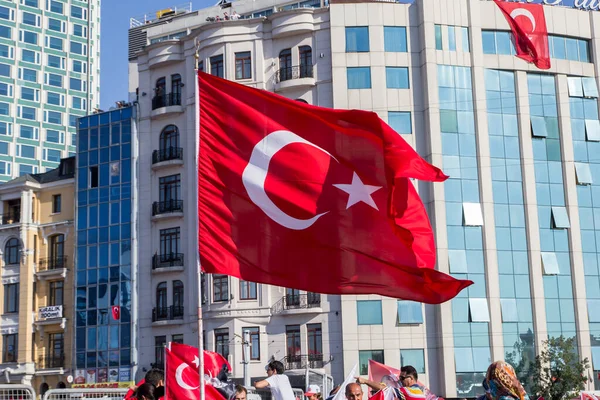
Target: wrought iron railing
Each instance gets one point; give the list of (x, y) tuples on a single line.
[(51, 361), (166, 100), (297, 301), (304, 361), (170, 153), (167, 313), (11, 218), (165, 207), (295, 72), (168, 260), (52, 263)]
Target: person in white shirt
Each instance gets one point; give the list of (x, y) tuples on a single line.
[(277, 382)]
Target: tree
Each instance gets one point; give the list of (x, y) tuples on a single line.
[(558, 373)]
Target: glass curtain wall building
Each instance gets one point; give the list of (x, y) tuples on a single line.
[(49, 76), (105, 255)]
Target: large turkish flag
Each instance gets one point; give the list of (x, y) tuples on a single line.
[(312, 198), (528, 25)]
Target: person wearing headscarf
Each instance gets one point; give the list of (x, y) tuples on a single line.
[(501, 383)]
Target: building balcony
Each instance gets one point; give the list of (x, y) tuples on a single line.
[(166, 315), (167, 157), (11, 218), (304, 361), (50, 315), (298, 303), (166, 104), (171, 262), (52, 268), (295, 77), (167, 209), (51, 361)]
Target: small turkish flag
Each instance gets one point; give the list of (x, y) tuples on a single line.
[(312, 198), (116, 312), (182, 379), (528, 25)]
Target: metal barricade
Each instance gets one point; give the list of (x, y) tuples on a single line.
[(10, 392), (83, 394)]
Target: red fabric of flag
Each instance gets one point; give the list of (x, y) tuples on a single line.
[(528, 25), (116, 312), (312, 198)]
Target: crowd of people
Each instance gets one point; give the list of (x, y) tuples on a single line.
[(500, 383), (226, 17)]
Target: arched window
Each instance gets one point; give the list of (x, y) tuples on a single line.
[(176, 89), (177, 299), (56, 252), (11, 252), (44, 388), (161, 86), (161, 296), (169, 138), (285, 65), (306, 70), (61, 385)]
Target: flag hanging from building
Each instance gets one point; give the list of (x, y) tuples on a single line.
[(116, 312), (528, 25), (312, 198)]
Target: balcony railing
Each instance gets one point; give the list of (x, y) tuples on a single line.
[(11, 218), (165, 207), (166, 100), (304, 361), (168, 260), (295, 72), (297, 301), (167, 313), (51, 361), (52, 263), (170, 153)]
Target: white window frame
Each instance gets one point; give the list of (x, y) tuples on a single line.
[(19, 151), (590, 88), (575, 86), (560, 217), (11, 15), (47, 113), (472, 215), (9, 89), (36, 94), (592, 130), (61, 136), (7, 168), (478, 310), (36, 133), (550, 263), (9, 128), (20, 113), (38, 19), (538, 129), (583, 174), (45, 154)]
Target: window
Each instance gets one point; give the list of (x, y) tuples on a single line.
[(94, 177), (79, 66), (29, 132), (27, 112), (56, 349), (25, 151), (589, 87), (55, 25), (7, 13), (30, 94), (53, 117), (159, 351), (54, 43), (293, 343), (464, 33), (5, 168), (220, 288), (5, 70), (31, 19), (5, 32), (80, 30), (357, 39), (79, 103), (497, 42), (285, 64), (11, 298), (306, 65), (161, 298), (458, 261), (78, 12), (400, 121), (560, 218), (414, 357), (509, 310), (177, 338), (565, 48), (30, 3), (254, 340), (55, 6), (472, 214), (222, 342), (9, 348), (478, 309), (25, 169), (77, 84), (170, 243), (243, 65), (397, 77), (56, 203), (410, 312), (4, 108), (592, 130), (56, 62), (359, 77), (4, 146), (365, 355), (394, 39), (54, 80), (29, 37), (54, 136), (247, 290), (216, 66), (169, 190), (52, 155), (178, 299), (56, 99), (369, 312), (169, 138), (451, 38), (438, 37), (56, 293), (583, 174), (6, 51), (314, 335), (27, 74), (78, 48), (6, 128)]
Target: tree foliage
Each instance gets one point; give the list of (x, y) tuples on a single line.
[(557, 373)]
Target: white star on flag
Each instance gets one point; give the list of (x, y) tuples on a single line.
[(358, 191), (196, 362)]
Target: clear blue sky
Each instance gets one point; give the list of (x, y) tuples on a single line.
[(113, 42)]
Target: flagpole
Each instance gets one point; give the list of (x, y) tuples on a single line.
[(198, 267)]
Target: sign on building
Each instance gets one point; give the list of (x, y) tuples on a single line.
[(50, 312)]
